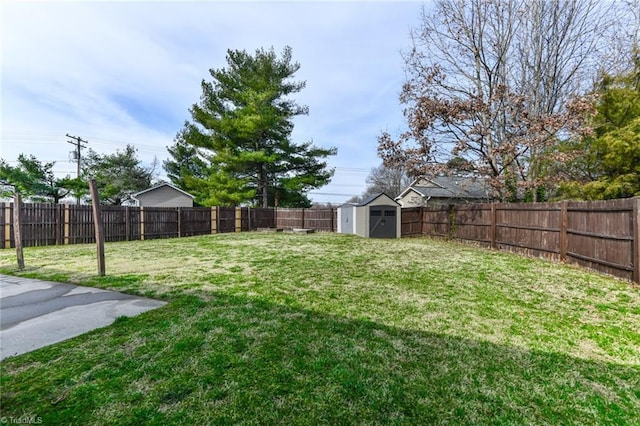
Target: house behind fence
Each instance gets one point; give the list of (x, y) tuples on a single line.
[(162, 195)]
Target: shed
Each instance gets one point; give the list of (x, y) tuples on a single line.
[(375, 217), (346, 217), (163, 195)]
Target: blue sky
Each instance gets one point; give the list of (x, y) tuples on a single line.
[(122, 72)]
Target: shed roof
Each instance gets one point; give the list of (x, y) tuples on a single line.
[(370, 199)]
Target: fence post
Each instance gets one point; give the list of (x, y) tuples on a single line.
[(494, 226), (564, 223), (214, 220), (141, 223), (636, 240), (58, 224), (275, 217), (302, 226), (7, 225), (67, 223), (333, 212), (127, 223), (238, 219), (97, 226), (179, 222), (16, 231), (451, 222)]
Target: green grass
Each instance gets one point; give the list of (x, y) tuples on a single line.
[(332, 329)]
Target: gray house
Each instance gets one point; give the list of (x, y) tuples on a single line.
[(445, 190), (163, 195)]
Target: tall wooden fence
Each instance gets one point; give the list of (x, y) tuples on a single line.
[(601, 235), (57, 224)]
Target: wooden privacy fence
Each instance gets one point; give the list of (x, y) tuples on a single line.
[(600, 235), (57, 224)]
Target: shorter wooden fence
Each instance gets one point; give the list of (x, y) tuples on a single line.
[(58, 224), (600, 235)]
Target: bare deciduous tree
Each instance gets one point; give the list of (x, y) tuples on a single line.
[(497, 83), (390, 181), (623, 41)]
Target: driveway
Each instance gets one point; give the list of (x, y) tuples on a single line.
[(35, 313)]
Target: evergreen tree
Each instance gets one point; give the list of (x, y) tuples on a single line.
[(186, 161), (609, 166), (35, 180), (238, 147), (117, 175)]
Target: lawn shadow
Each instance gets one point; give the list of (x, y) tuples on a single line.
[(232, 359)]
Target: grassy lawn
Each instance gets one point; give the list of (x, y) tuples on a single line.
[(333, 329)]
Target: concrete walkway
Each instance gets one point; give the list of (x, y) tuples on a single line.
[(35, 313)]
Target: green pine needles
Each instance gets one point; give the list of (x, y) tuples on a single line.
[(238, 149)]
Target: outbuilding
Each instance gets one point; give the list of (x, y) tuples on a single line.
[(163, 195), (375, 217)]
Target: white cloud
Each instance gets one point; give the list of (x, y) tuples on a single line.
[(127, 72)]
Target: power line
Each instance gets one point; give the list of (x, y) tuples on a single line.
[(330, 193), (78, 143)]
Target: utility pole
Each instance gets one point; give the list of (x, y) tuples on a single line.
[(78, 143)]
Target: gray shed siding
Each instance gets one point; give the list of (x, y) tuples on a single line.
[(362, 221), (164, 196)]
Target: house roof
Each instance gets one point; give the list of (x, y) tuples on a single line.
[(374, 197), (153, 188), (450, 187)]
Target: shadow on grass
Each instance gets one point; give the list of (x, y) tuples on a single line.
[(126, 283), (233, 359)]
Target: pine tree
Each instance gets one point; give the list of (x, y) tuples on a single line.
[(117, 175), (186, 161), (36, 180), (238, 146), (609, 166)]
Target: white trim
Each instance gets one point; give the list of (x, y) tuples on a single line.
[(461, 192), (411, 187), (375, 198), (406, 191)]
